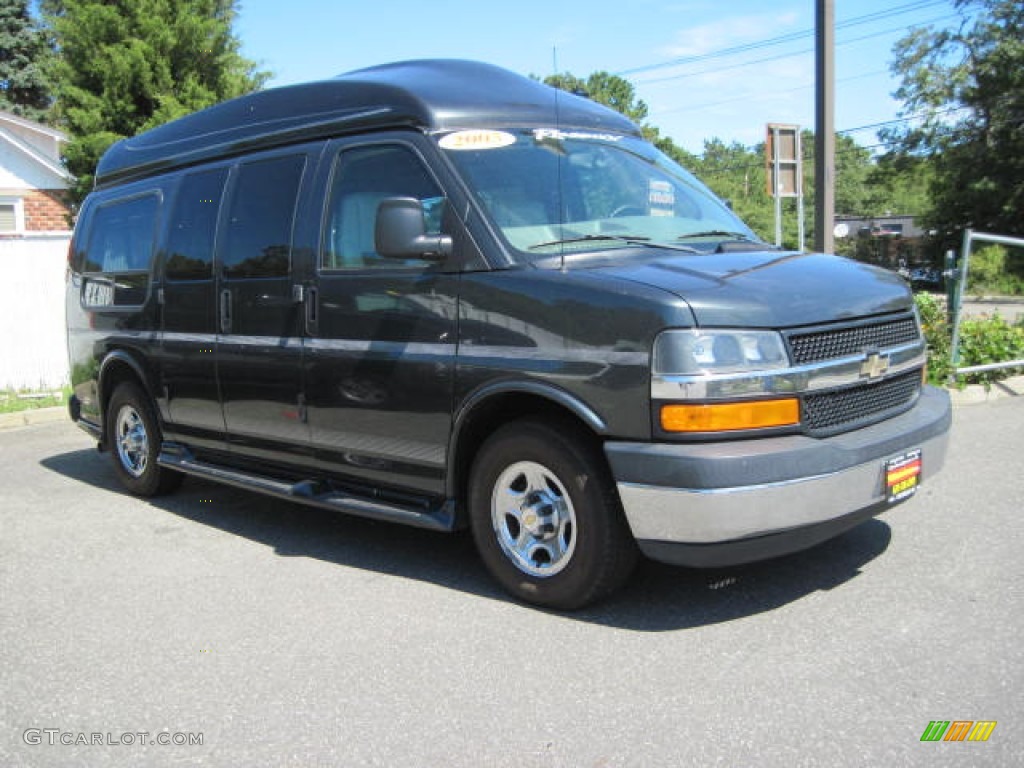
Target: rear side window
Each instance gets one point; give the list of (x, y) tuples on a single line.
[(193, 226), (122, 236), (119, 251), (260, 217)]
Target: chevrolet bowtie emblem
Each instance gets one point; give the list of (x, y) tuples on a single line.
[(874, 366)]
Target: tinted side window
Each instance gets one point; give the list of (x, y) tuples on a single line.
[(260, 216), (122, 236), (362, 178), (119, 250), (193, 226)]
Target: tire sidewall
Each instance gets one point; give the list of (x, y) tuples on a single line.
[(149, 482), (585, 481)]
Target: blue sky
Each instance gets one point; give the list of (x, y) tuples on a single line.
[(729, 96)]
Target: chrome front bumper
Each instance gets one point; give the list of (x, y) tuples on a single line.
[(736, 501)]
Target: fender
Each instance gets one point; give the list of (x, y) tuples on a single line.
[(549, 392), (119, 356)]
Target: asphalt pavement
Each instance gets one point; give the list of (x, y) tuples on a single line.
[(217, 627)]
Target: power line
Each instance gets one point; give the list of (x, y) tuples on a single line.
[(899, 120), (789, 37), (747, 97), (839, 150), (791, 54)]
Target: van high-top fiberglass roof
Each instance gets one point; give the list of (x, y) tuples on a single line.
[(430, 95)]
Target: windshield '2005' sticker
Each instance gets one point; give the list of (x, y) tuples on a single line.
[(477, 139)]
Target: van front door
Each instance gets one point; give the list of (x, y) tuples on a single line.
[(382, 332)]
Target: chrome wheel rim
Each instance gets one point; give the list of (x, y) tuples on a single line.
[(533, 518), (132, 441)]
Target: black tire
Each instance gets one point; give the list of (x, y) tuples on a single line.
[(562, 540), (134, 438)]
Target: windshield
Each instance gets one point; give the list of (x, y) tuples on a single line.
[(556, 191)]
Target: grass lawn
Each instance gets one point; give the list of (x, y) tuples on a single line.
[(12, 401)]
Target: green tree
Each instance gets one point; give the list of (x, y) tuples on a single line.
[(737, 174), (24, 52), (965, 83), (900, 184), (604, 88), (619, 94), (854, 166), (129, 65)]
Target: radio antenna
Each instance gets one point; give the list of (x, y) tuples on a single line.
[(558, 157)]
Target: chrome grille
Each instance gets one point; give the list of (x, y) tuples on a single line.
[(829, 344), (845, 409)]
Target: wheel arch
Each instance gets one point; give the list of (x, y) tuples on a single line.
[(500, 403), (118, 366)]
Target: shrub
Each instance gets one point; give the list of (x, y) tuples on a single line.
[(993, 271), (990, 340), (937, 335), (983, 340)]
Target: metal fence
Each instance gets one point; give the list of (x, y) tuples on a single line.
[(956, 298)]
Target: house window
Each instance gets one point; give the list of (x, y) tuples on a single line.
[(12, 215)]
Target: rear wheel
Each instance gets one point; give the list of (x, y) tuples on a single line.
[(546, 518), (135, 443)]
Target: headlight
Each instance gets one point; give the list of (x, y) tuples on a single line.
[(698, 352), (715, 374)]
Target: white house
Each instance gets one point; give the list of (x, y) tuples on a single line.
[(34, 238), (33, 181)]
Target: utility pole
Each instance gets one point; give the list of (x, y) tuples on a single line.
[(824, 127)]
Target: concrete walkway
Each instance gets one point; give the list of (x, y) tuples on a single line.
[(34, 416), (976, 393)]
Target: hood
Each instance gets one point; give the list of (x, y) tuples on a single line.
[(769, 289)]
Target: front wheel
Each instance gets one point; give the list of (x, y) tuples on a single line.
[(546, 518), (135, 443)]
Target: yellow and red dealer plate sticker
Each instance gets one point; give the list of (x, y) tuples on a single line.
[(903, 476)]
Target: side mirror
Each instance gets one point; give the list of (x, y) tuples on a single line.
[(400, 232)]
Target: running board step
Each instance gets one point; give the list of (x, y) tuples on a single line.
[(312, 492)]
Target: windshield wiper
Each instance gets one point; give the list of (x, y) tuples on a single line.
[(637, 240), (731, 242), (716, 233)]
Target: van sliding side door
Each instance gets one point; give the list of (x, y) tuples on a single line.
[(188, 359), (260, 346)]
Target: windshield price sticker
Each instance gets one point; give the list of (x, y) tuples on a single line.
[(903, 476), (661, 198)]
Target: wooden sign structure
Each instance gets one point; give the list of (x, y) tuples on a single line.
[(784, 176)]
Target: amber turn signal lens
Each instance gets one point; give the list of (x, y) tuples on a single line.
[(725, 417)]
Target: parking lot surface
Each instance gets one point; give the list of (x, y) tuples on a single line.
[(276, 634)]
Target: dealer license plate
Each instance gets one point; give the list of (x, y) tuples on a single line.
[(903, 476)]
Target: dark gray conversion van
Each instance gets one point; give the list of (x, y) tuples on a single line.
[(442, 294)]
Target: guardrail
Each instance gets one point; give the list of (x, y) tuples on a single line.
[(959, 273)]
